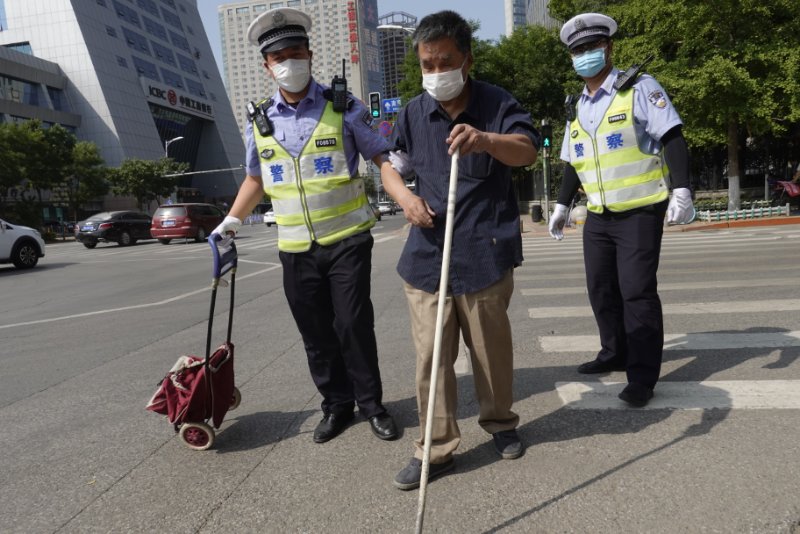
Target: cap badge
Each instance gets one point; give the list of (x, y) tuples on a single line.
[(279, 19), (579, 24)]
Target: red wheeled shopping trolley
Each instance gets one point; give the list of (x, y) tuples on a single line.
[(197, 390)]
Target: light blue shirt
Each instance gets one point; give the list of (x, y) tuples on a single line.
[(653, 112), (293, 127)]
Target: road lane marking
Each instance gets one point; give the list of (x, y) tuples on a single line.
[(136, 306), (681, 308), (675, 286), (706, 395), (689, 341), (550, 274)]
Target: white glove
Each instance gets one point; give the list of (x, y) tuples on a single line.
[(681, 209), (557, 221), (228, 227), (400, 162)]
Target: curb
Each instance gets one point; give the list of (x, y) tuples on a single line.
[(768, 221)]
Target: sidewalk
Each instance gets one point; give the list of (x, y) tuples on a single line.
[(532, 229)]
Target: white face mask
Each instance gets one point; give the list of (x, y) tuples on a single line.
[(444, 86), (292, 74)]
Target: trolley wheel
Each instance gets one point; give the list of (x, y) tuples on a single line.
[(197, 436), (236, 399)]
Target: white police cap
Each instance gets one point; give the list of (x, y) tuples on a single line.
[(279, 28), (587, 27)]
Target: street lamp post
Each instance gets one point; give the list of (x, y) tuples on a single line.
[(169, 142)]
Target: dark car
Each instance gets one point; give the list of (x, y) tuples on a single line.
[(184, 221), (123, 227)]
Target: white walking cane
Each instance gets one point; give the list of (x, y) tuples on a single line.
[(437, 339)]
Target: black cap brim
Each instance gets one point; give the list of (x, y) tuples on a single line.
[(588, 39), (286, 42)]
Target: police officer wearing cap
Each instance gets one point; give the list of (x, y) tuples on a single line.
[(304, 154), (625, 147)]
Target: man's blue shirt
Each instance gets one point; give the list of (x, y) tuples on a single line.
[(486, 235)]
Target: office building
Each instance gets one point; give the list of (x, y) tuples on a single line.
[(139, 73), (340, 30), (528, 12), (394, 32)]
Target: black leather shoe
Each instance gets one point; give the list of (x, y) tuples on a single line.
[(383, 426), (409, 477), (596, 366), (636, 395), (331, 426)]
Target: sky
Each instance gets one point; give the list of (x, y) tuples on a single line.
[(490, 13)]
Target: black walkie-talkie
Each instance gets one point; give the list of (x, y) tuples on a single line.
[(625, 80), (339, 88)]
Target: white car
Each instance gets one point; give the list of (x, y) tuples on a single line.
[(20, 245), (269, 218), (387, 208)]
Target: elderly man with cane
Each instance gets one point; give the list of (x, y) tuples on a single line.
[(492, 133)]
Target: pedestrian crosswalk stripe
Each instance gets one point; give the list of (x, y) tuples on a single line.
[(541, 275), (683, 308), (689, 341), (675, 286), (705, 395)]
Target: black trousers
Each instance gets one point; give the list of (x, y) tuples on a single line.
[(621, 252), (328, 289)]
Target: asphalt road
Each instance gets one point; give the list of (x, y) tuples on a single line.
[(87, 335)]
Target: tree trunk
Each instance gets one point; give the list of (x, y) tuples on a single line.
[(734, 192)]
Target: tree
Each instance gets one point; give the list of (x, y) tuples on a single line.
[(85, 176), (145, 180)]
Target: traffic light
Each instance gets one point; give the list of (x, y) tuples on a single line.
[(547, 137), (375, 104)]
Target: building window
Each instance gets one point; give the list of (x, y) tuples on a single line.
[(258, 8), (127, 14), (172, 78), (242, 10), (180, 41), (149, 6), (293, 3), (136, 41), (146, 69), (164, 54), (172, 19), (187, 65), (155, 29), (195, 88), (273, 5), (170, 3)]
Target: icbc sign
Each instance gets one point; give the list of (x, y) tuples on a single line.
[(172, 97)]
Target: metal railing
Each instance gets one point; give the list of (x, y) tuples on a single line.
[(751, 213)]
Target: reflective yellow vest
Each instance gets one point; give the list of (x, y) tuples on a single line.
[(313, 195), (615, 174)]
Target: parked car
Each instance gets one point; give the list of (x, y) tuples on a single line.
[(386, 208), (184, 221), (269, 217), (376, 210), (123, 227), (20, 245)]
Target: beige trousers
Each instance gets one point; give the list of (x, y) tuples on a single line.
[(482, 318)]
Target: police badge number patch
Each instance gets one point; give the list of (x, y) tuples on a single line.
[(658, 99), (267, 153), (617, 118), (574, 134), (331, 141)]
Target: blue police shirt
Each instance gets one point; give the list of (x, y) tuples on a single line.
[(294, 126), (653, 112), (486, 238)]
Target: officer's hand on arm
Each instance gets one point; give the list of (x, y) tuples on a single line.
[(681, 209), (557, 221), (415, 209)]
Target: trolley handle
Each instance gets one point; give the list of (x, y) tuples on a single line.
[(224, 252)]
